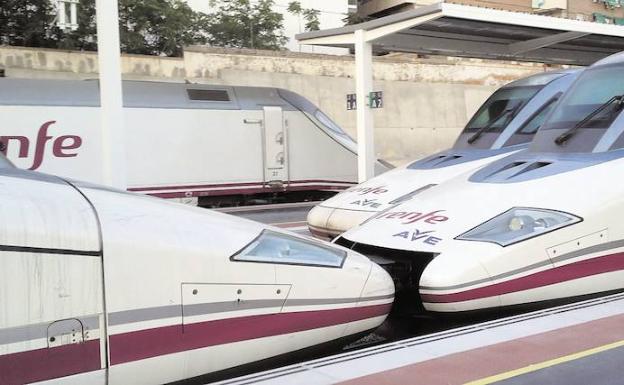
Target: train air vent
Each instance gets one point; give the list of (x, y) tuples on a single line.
[(529, 168), (438, 160), (208, 95), (506, 167)]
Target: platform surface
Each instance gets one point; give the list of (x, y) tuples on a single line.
[(580, 343)]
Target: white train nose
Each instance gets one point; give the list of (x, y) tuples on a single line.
[(452, 284), (326, 222), (379, 286)]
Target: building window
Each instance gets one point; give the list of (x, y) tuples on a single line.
[(67, 14)]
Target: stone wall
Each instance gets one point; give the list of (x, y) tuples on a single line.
[(426, 101)]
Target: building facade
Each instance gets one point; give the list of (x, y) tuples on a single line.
[(603, 11)]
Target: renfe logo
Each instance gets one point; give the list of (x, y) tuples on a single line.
[(411, 217), (60, 145), (369, 190)]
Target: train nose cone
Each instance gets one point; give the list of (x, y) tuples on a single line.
[(379, 284), (342, 220), (317, 222), (375, 302), (378, 292), (326, 222), (456, 284)]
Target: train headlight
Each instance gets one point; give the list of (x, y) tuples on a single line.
[(519, 224)]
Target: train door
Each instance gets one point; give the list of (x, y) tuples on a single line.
[(275, 147), (51, 304)]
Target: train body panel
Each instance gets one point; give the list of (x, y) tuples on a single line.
[(503, 125), (539, 225), (182, 141), (378, 194), (148, 291)]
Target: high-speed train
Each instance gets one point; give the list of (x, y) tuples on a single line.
[(105, 287), (505, 123), (203, 144), (540, 225)]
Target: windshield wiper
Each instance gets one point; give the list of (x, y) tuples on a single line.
[(489, 125), (561, 139)]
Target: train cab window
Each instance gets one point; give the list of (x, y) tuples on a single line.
[(273, 247), (208, 95), (532, 125), (500, 108), (319, 118), (586, 112)]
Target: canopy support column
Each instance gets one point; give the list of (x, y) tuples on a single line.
[(111, 110), (363, 88)]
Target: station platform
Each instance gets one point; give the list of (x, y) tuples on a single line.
[(579, 343)]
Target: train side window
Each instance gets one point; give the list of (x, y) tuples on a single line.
[(273, 247), (208, 95)]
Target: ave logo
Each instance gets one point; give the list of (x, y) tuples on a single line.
[(421, 236), (372, 203)]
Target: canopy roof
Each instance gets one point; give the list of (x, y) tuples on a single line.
[(460, 30)]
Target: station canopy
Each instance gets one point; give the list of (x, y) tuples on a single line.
[(468, 31)]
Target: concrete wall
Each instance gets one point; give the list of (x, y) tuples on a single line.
[(426, 101)]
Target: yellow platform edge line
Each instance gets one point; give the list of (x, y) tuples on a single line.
[(546, 364)]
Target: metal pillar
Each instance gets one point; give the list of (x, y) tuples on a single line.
[(112, 119), (363, 88)]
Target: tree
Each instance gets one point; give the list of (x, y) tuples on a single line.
[(310, 15), (85, 36), (240, 24), (27, 23), (355, 18), (151, 27), (158, 27)]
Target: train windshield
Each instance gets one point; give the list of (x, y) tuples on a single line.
[(501, 108), (586, 114), (319, 118)]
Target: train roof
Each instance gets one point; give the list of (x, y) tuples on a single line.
[(139, 94)]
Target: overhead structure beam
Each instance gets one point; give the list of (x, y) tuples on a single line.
[(493, 49), (532, 45), (111, 98)]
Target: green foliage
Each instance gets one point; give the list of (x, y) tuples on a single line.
[(158, 27), (27, 23), (354, 18), (151, 27), (240, 24), (85, 36), (294, 7), (310, 15)]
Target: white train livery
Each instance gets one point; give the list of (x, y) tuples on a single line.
[(540, 225), (105, 287), (209, 145), (505, 123)]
